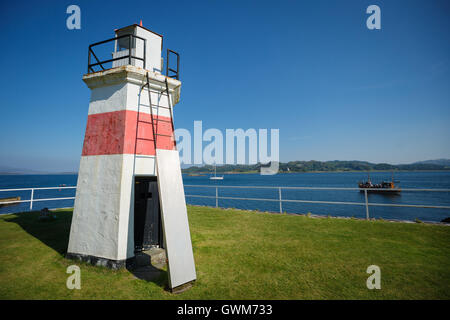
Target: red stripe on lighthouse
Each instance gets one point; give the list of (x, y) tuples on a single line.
[(115, 133)]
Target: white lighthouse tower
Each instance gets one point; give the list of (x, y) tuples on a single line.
[(130, 192)]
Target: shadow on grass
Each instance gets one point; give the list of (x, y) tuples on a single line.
[(144, 268), (53, 233)]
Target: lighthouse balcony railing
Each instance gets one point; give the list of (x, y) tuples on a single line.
[(122, 55), (119, 57), (173, 73)]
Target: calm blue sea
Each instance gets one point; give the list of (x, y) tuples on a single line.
[(422, 180)]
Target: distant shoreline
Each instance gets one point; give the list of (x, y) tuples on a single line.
[(202, 174), (298, 166), (323, 166), (37, 174), (292, 172)]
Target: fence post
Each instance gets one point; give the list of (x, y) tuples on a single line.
[(367, 204), (217, 197), (31, 199), (279, 197)]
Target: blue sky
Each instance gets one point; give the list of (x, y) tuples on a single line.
[(335, 89)]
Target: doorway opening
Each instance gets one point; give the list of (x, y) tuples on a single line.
[(147, 214)]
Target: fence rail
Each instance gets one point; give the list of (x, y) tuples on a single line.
[(366, 203), (280, 199), (32, 199), (128, 56)]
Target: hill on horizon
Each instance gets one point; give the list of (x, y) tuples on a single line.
[(291, 166), (334, 165), (442, 162), (5, 170)]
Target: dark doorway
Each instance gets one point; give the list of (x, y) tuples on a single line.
[(147, 215)]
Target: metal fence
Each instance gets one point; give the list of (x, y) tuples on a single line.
[(279, 199), (32, 199)]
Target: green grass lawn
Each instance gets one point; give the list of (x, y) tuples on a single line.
[(242, 255)]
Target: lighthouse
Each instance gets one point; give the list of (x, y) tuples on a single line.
[(130, 192)]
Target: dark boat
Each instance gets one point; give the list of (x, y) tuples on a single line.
[(383, 187)]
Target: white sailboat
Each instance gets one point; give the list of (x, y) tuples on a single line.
[(215, 177)]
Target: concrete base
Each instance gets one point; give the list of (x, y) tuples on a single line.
[(183, 287), (98, 261), (157, 256), (154, 257), (148, 265)]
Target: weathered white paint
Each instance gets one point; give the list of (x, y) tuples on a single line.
[(95, 222), (144, 165), (120, 89), (102, 224), (108, 98), (181, 266), (127, 96), (153, 50)]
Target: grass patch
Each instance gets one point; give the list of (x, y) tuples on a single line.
[(242, 255)]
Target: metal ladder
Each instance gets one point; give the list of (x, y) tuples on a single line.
[(174, 219), (155, 120)]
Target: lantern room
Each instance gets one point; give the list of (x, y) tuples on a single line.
[(136, 46), (146, 47)]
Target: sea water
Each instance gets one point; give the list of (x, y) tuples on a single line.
[(407, 180)]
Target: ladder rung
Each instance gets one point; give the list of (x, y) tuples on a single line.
[(155, 105), (143, 121), (156, 120), (158, 106), (157, 134), (160, 92), (162, 120), (163, 82)]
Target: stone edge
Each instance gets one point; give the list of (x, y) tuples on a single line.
[(103, 262)]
